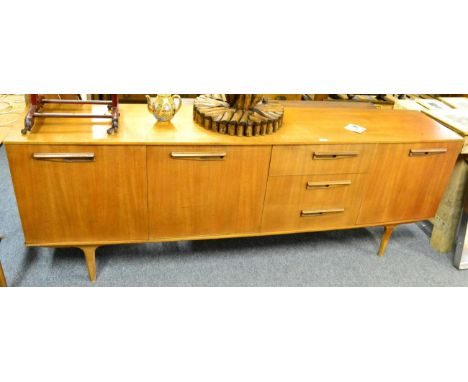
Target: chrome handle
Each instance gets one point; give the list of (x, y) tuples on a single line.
[(305, 213), (199, 156), (334, 155), (330, 184), (426, 152), (65, 157)]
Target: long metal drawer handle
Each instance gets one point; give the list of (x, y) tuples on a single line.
[(425, 152), (330, 184), (335, 155), (65, 157), (305, 213), (199, 156)]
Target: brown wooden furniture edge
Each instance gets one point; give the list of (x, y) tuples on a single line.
[(212, 237)]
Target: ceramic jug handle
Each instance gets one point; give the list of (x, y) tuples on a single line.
[(148, 102), (174, 97)]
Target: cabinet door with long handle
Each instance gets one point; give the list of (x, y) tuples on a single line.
[(407, 181), (206, 190), (80, 194)]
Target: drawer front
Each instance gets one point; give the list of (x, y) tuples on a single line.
[(206, 190), (407, 181), (311, 202), (80, 194), (321, 159)]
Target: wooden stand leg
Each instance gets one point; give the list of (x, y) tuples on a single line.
[(385, 238), (3, 282), (90, 256)]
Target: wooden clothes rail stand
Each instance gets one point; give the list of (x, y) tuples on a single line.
[(37, 102)]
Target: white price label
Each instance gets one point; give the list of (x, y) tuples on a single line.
[(355, 128)]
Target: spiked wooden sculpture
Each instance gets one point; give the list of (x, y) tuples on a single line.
[(238, 114)]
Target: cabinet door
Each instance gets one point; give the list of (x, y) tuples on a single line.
[(206, 190), (407, 181), (80, 194)]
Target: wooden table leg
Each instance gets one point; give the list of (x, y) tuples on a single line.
[(3, 282), (90, 256), (385, 238)]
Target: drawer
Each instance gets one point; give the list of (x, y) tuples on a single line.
[(312, 202), (321, 159), (80, 194)]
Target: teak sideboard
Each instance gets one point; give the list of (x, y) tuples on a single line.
[(77, 186)]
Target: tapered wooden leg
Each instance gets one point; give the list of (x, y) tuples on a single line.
[(385, 238), (90, 256), (3, 282)]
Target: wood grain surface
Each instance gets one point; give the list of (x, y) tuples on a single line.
[(406, 187), (301, 125), (81, 202), (190, 197), (287, 196), (321, 159), (171, 181)]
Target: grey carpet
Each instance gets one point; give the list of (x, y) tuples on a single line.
[(335, 258)]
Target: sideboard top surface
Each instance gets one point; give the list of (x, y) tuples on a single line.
[(302, 125)]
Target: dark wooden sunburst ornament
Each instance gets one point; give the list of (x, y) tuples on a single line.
[(238, 114)]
